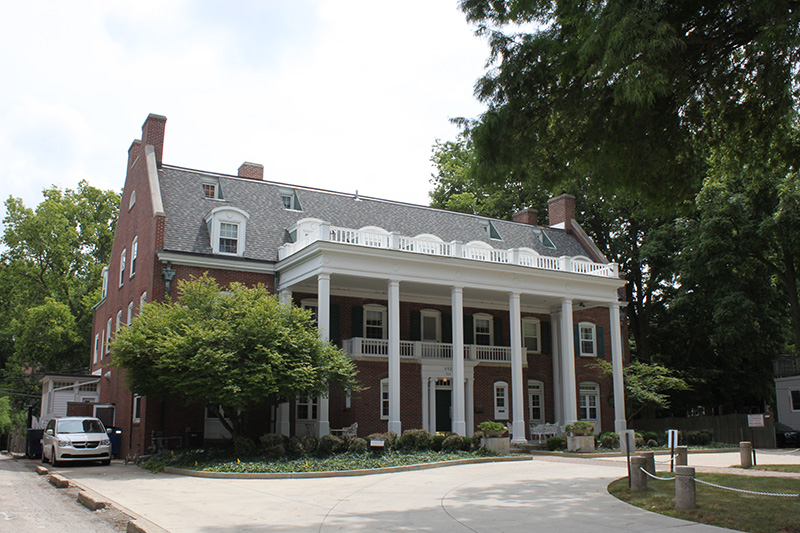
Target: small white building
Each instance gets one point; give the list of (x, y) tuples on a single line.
[(787, 390), (58, 390)]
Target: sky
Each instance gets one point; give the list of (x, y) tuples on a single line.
[(344, 95)]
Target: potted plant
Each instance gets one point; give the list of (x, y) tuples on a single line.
[(493, 439), (580, 437)]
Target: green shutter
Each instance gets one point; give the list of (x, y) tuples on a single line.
[(357, 324), (334, 335), (498, 331), (544, 332), (601, 347), (469, 330), (577, 331), (447, 328), (416, 326)]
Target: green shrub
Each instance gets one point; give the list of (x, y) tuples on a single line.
[(329, 444), (438, 440), (244, 447), (301, 445), (466, 443), (556, 443), (272, 439), (415, 439), (357, 445), (650, 435), (652, 443), (489, 427), (579, 428), (698, 438), (389, 440), (609, 440), (477, 438), (453, 443)]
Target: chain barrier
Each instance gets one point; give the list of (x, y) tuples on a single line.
[(675, 456), (779, 452), (748, 491), (656, 477)]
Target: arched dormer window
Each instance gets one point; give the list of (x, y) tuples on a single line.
[(303, 228), (227, 227)]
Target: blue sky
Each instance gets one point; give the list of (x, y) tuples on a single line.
[(338, 94)]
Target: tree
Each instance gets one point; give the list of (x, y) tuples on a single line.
[(621, 91), (51, 267), (235, 348), (647, 385)]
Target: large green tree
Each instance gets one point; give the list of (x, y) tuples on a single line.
[(236, 348), (621, 91), (50, 275)]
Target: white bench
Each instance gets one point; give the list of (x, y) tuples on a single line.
[(350, 430), (544, 430)]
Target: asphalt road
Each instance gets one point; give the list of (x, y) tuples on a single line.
[(29, 503)]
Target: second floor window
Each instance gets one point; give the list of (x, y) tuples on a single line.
[(122, 263), (228, 238), (483, 330)]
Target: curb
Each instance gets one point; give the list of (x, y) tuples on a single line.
[(340, 473)]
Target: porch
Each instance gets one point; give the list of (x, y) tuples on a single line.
[(420, 350)]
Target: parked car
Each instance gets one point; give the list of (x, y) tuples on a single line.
[(75, 438), (786, 437)]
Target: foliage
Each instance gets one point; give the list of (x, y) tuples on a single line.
[(301, 445), (50, 277), (329, 444), (243, 447), (700, 437), (579, 428), (390, 440), (438, 440), (646, 385), (491, 427), (357, 445), (609, 440), (235, 348), (454, 443), (10, 418), (273, 445), (415, 439), (556, 443)]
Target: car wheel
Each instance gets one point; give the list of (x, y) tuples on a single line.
[(44, 456), (53, 460), (105, 462)]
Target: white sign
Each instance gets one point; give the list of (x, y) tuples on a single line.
[(672, 438), (755, 421)]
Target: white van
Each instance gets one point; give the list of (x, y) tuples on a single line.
[(75, 438)]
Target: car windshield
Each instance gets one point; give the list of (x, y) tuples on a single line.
[(80, 426)]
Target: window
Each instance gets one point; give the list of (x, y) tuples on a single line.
[(483, 329), (96, 347), (536, 401), (130, 313), (137, 408), (544, 239), (210, 189), (374, 321), (589, 408), (431, 323), (227, 227), (132, 200), (122, 267), (385, 399), (142, 301), (119, 320), (108, 334), (88, 387), (313, 306), (306, 407), (134, 254), (586, 339), (500, 400), (795, 396), (289, 200), (531, 334), (105, 282), (493, 233), (102, 342)]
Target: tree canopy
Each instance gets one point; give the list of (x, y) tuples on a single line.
[(235, 347)]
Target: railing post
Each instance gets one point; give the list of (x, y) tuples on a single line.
[(394, 240), (614, 270), (685, 491), (325, 231), (564, 263), (638, 478), (514, 256), (649, 462), (682, 456), (458, 249), (746, 454)]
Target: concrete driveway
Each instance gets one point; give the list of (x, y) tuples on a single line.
[(542, 494)]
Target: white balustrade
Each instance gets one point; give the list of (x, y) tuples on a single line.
[(359, 347)]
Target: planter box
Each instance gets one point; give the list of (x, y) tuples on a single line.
[(497, 444), (583, 443)]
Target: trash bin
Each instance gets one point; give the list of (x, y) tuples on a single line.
[(33, 448), (192, 439), (115, 436)]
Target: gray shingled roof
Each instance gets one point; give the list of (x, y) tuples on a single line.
[(186, 230)]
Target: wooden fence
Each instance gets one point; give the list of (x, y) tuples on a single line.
[(730, 429)]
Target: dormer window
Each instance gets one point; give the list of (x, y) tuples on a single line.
[(211, 189), (289, 200), (227, 229), (544, 239)]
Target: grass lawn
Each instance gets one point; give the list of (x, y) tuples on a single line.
[(724, 508), (778, 468)]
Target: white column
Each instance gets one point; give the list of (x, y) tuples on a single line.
[(457, 309), (284, 423), (425, 405), (620, 423), (568, 382), (324, 325), (394, 356), (432, 404), (558, 389), (470, 400), (286, 296), (517, 398)]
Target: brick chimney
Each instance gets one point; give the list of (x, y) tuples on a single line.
[(153, 134), (253, 171), (528, 215), (134, 151), (561, 210)]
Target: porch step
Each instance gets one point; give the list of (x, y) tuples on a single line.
[(528, 447)]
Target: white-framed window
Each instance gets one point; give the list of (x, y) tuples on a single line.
[(531, 334), (484, 330), (134, 254), (142, 300), (105, 282), (122, 264), (108, 334), (587, 339), (130, 313), (794, 396), (102, 342), (374, 321), (96, 347), (137, 408), (306, 407), (500, 400), (589, 406), (289, 200), (431, 325), (227, 229), (88, 387), (313, 306), (536, 401), (210, 188), (132, 200), (385, 399), (119, 320)]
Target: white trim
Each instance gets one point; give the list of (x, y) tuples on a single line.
[(538, 323), (137, 408), (587, 390), (130, 313), (233, 216), (376, 308), (384, 399), (501, 412), (216, 262), (587, 326), (152, 178), (122, 265), (490, 319), (134, 255)]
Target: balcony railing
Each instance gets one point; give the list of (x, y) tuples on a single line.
[(393, 241), (361, 347)]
